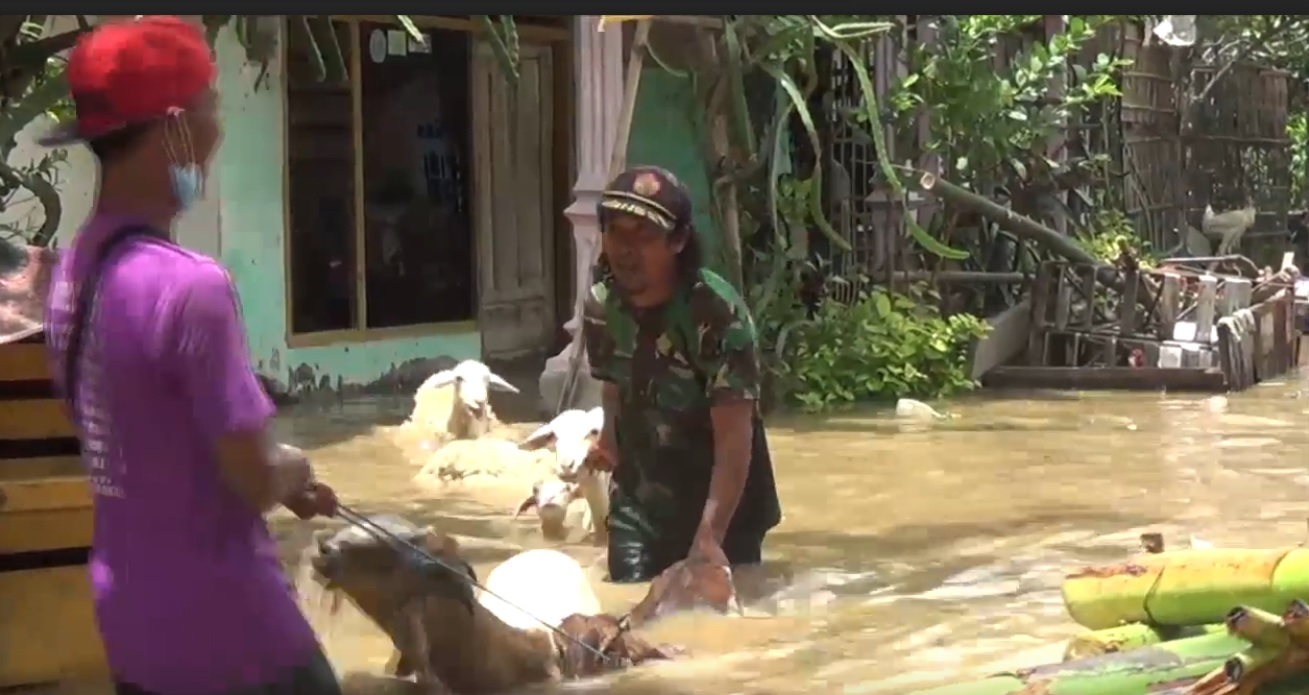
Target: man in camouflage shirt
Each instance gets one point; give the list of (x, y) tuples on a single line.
[(676, 348)]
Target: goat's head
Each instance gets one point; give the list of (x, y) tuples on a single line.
[(570, 435), (607, 635), (473, 382), (688, 585), (383, 576), (550, 499)]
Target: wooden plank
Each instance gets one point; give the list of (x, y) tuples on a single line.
[(34, 419), (1106, 379), (1205, 309), (1042, 288), (54, 529), (1170, 294), (48, 630), (1063, 307), (1127, 322), (23, 362), (1004, 341), (44, 494), (1088, 295), (40, 467)]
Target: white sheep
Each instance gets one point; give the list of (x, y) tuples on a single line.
[(485, 459), (454, 404), (570, 436), (538, 586)]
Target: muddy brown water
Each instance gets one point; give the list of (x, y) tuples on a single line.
[(910, 554)]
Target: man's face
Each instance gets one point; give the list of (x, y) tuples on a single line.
[(641, 254)]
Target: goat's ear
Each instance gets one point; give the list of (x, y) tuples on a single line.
[(543, 437), (499, 384), (528, 503), (440, 543), (439, 379)]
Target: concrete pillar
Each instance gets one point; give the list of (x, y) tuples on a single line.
[(598, 74)]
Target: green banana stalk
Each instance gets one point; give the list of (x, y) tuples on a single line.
[(1132, 636), (1137, 672)]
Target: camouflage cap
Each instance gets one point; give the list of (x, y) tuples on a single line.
[(651, 193)]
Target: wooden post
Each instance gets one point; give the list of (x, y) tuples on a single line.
[(1169, 298), (1228, 356), (1042, 288), (1109, 352), (1088, 293), (617, 161), (1205, 306), (1063, 307), (1236, 295), (1127, 305)]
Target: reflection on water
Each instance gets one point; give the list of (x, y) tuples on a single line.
[(910, 554)]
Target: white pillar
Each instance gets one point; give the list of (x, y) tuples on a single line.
[(598, 74)]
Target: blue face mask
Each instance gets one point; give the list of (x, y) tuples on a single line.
[(187, 184)]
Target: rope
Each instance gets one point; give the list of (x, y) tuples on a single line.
[(367, 525)]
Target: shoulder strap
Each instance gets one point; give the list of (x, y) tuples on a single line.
[(86, 292)]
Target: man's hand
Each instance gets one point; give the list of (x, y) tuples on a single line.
[(291, 471), (706, 549), (602, 456), (316, 500)]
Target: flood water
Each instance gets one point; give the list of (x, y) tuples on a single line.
[(910, 554)]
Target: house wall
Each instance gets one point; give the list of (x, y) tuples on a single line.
[(252, 210), (241, 221), (667, 131)]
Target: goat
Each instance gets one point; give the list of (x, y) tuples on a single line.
[(1227, 228), (455, 403), (488, 458), (453, 641), (570, 436)]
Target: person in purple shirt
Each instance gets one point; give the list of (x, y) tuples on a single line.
[(148, 349)]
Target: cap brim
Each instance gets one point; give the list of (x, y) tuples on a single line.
[(60, 134), (637, 209)]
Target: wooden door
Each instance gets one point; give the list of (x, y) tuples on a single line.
[(513, 165)]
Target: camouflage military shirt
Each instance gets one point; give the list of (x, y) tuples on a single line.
[(671, 364)]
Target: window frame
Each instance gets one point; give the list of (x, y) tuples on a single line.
[(362, 333)]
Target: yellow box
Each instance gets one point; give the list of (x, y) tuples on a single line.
[(47, 621), (47, 627)]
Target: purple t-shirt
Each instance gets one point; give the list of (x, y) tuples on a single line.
[(189, 594)]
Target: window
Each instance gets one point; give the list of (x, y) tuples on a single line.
[(380, 230)]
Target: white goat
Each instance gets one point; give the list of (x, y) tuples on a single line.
[(455, 403), (538, 586), (570, 436)]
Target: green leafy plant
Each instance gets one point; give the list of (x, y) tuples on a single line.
[(994, 125), (1111, 233), (883, 346), (1297, 131)]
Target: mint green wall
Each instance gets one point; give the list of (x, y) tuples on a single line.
[(666, 132), (249, 170)]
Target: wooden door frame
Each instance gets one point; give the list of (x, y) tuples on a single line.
[(530, 33)]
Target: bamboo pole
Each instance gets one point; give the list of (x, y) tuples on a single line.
[(1008, 220), (617, 161)]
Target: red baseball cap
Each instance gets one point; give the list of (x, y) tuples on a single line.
[(133, 72)]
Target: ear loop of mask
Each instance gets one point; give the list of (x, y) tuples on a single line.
[(181, 153)]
